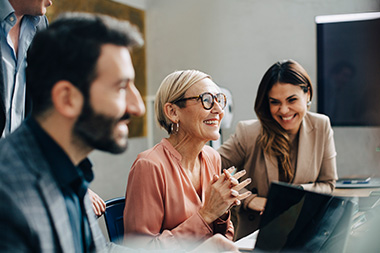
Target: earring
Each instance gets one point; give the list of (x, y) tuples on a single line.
[(172, 128), (308, 103)]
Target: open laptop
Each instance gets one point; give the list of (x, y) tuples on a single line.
[(296, 220)]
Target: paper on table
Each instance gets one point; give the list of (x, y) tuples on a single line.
[(248, 242)]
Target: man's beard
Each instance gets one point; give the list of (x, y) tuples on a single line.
[(96, 130)]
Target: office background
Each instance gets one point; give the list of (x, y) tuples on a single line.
[(235, 41)]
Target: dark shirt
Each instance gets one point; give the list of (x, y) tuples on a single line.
[(73, 181)]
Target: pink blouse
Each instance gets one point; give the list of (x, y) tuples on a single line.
[(161, 201)]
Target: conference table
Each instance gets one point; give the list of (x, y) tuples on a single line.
[(365, 220)]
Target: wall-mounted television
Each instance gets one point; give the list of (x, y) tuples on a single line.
[(348, 68)]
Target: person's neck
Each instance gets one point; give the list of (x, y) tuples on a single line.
[(19, 18), (18, 6), (60, 130), (188, 148), (293, 136)]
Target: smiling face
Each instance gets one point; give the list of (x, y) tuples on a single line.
[(197, 122), (288, 105), (113, 99)]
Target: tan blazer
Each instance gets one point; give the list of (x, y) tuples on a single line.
[(316, 163)]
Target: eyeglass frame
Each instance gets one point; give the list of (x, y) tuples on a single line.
[(214, 98)]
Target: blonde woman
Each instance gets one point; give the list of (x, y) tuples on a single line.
[(175, 191)]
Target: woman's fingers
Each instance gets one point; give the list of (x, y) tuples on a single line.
[(224, 192), (227, 173), (102, 205), (239, 174), (97, 208), (233, 179), (244, 195), (237, 202), (231, 170), (243, 184), (98, 205), (214, 179), (234, 193)]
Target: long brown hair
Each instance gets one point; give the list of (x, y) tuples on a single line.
[(273, 138)]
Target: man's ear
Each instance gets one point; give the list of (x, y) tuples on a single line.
[(67, 99), (171, 111)]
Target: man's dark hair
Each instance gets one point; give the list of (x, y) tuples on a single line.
[(69, 50)]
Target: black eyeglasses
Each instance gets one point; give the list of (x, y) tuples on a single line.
[(208, 99)]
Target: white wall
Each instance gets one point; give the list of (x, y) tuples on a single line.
[(111, 172), (235, 41)]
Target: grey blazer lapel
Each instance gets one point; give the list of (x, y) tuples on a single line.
[(27, 146), (58, 211)]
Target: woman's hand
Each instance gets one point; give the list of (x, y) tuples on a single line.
[(98, 204), (222, 194), (258, 204)]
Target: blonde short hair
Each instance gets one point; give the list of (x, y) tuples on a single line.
[(173, 88)]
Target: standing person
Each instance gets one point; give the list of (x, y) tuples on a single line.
[(288, 143), (175, 190), (19, 20), (81, 79)]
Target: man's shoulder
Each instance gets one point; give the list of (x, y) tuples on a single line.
[(18, 139), (29, 192), (16, 176), (17, 150)]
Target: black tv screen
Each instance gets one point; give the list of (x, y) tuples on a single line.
[(348, 68)]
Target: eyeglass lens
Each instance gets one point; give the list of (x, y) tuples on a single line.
[(208, 100)]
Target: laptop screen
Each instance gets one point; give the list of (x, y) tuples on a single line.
[(298, 220)]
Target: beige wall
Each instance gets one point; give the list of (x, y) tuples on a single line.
[(235, 41)]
